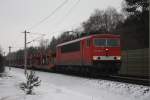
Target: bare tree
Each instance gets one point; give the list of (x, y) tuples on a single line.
[(53, 44), (44, 44), (103, 21), (0, 50)]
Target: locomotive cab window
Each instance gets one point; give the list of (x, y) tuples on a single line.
[(113, 42), (88, 43), (106, 42), (99, 42)]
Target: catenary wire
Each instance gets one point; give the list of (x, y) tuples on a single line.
[(72, 8), (67, 14), (52, 13)]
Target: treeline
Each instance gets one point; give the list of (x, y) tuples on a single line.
[(132, 24), (1, 61), (101, 21), (135, 29)]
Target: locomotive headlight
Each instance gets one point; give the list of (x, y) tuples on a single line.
[(118, 58), (106, 49), (94, 57)]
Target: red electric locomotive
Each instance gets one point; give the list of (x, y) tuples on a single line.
[(98, 53)]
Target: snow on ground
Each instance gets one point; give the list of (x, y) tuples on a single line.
[(64, 87)]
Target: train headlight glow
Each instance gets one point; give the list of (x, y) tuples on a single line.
[(94, 57), (118, 58)]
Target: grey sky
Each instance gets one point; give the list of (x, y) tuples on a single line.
[(18, 15)]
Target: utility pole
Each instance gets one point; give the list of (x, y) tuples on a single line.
[(25, 51), (9, 57)]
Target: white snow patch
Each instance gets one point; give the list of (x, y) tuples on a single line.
[(64, 87)]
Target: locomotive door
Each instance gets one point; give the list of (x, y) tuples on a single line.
[(86, 52)]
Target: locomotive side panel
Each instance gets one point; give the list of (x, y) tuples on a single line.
[(70, 59), (86, 52), (69, 54)]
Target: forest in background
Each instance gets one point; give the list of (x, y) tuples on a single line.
[(132, 24), (1, 61)]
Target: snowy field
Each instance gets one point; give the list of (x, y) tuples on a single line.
[(63, 87)]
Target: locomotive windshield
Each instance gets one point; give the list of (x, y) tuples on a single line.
[(106, 42)]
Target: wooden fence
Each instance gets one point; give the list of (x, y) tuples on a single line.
[(135, 62)]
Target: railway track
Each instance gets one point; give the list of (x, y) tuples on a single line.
[(129, 79), (114, 77), (117, 77)]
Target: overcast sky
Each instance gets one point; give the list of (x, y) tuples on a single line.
[(18, 15)]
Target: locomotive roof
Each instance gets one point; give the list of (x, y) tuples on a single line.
[(72, 41), (86, 37)]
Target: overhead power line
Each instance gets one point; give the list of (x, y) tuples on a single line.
[(53, 12), (35, 39), (69, 11), (63, 18), (36, 34), (67, 14)]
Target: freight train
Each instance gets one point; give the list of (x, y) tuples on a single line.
[(98, 53)]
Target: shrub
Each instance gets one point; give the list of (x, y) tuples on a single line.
[(31, 81)]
